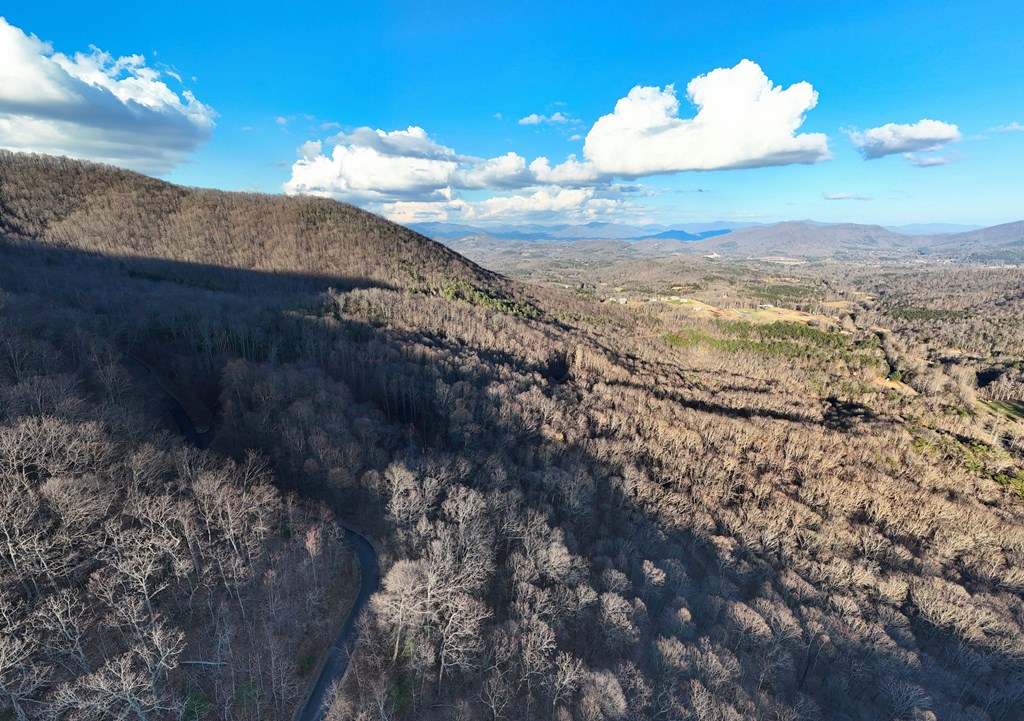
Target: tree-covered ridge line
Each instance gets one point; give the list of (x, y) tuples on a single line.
[(64, 203)]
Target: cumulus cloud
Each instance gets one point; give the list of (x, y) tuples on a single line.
[(1013, 127), (743, 121), (373, 172), (844, 196), (417, 211), (572, 171), (892, 138), (310, 149), (535, 119), (94, 106), (408, 165), (506, 171), (928, 161), (542, 203), (413, 142)]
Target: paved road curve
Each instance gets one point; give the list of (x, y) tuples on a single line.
[(336, 661), (334, 665)]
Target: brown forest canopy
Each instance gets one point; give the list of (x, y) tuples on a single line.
[(65, 203), (585, 512)]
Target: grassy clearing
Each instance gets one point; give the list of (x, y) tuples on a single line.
[(1013, 409), (762, 314)]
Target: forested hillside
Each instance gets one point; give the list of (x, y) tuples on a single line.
[(67, 204), (585, 511), (140, 577)]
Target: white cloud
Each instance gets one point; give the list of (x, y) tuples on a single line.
[(357, 172), (415, 211), (408, 165), (94, 106), (413, 142), (310, 149), (928, 161), (571, 172), (506, 171), (554, 200), (534, 204), (405, 165), (844, 196), (924, 135), (743, 121), (1013, 127), (535, 119)]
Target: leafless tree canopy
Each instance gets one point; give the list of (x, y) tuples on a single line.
[(586, 511)]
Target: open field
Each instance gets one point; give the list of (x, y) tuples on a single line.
[(1012, 409), (759, 314)]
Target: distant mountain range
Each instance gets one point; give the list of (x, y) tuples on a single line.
[(596, 230), (799, 240), (599, 230), (932, 228), (848, 241)]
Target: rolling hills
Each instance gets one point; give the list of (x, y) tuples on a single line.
[(851, 242), (596, 230), (795, 241)]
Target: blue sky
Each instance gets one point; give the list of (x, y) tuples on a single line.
[(414, 110)]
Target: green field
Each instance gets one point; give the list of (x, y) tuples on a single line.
[(1014, 409)]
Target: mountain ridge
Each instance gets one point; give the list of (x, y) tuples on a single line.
[(595, 230), (798, 239), (62, 203)]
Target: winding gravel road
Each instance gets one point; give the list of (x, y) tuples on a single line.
[(335, 662)]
